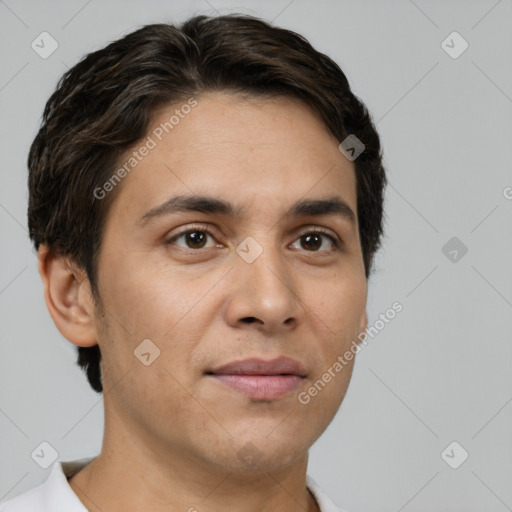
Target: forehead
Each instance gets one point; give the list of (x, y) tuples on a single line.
[(248, 152)]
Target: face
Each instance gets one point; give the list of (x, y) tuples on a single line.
[(211, 284)]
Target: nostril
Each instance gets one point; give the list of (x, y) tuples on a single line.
[(249, 319)]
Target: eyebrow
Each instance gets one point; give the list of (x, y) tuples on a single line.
[(205, 204)]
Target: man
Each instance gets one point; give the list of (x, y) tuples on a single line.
[(206, 202)]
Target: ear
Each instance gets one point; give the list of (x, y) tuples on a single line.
[(363, 325), (68, 296)]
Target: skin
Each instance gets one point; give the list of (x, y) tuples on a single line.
[(172, 433)]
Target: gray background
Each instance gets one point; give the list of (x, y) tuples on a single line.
[(440, 371)]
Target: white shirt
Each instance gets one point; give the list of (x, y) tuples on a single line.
[(56, 495)]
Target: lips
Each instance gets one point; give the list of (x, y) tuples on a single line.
[(259, 379), (254, 366)]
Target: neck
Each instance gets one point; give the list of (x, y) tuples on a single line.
[(104, 485), (136, 479)]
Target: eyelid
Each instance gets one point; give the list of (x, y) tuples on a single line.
[(193, 227)]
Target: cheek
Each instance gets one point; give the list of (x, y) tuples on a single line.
[(342, 306), (143, 304), (343, 311), (325, 393), (168, 310)]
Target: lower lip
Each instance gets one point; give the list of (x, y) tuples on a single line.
[(261, 387)]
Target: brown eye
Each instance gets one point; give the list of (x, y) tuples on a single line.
[(314, 240), (194, 238)]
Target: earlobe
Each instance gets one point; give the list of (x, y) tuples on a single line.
[(68, 297)]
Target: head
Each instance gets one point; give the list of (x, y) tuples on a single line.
[(244, 113)]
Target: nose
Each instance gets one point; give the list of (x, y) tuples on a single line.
[(264, 294)]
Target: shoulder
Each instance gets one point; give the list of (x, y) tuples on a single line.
[(32, 500), (53, 495), (324, 502)]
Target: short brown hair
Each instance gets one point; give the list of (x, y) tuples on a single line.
[(103, 105)]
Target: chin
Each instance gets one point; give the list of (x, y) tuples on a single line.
[(251, 459), (264, 454)]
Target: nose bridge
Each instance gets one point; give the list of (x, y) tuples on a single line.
[(260, 255), (268, 289)]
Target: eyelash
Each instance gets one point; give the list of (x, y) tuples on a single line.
[(193, 229)]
